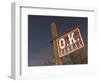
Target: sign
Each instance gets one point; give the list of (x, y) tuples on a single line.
[(69, 42)]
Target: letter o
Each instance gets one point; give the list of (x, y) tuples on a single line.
[(62, 43)]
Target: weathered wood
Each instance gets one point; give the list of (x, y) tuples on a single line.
[(54, 33)]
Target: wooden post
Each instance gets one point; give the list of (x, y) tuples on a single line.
[(54, 33)]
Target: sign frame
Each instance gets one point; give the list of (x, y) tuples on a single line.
[(19, 68), (65, 35)]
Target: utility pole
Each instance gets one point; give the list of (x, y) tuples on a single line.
[(54, 33)]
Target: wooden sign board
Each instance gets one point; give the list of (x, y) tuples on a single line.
[(69, 42)]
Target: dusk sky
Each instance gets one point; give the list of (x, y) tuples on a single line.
[(39, 34)]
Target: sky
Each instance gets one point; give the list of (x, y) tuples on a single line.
[(39, 35)]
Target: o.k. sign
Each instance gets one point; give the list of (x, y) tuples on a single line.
[(69, 42)]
